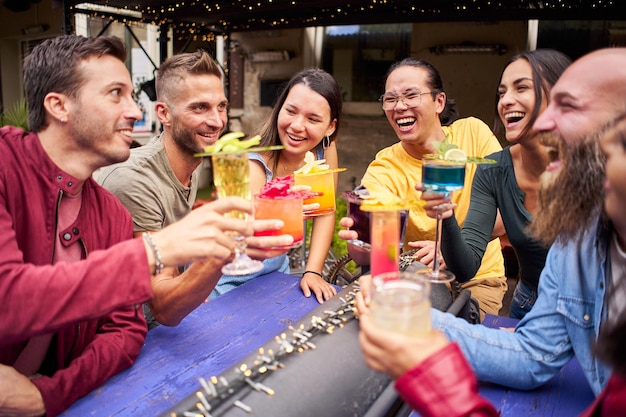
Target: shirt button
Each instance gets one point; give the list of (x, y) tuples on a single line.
[(69, 184), (75, 230), (59, 177), (586, 317), (67, 236)]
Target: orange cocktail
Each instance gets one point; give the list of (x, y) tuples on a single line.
[(320, 182), (287, 208)]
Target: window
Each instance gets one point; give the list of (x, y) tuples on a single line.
[(359, 56)]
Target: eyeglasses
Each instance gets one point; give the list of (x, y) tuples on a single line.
[(410, 100)]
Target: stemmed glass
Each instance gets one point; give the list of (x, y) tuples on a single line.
[(441, 176), (231, 175)]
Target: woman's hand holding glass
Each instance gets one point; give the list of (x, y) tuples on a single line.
[(436, 201)]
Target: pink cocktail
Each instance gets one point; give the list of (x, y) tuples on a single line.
[(278, 200), (385, 236)]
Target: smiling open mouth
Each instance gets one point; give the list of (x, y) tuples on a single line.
[(514, 117), (406, 121)]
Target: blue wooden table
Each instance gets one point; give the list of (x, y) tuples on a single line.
[(219, 334), (208, 341), (565, 395)]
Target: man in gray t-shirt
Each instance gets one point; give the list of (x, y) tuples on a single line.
[(158, 183)]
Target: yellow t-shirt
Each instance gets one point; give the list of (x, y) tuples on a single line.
[(396, 171)]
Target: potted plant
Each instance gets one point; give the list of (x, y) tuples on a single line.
[(16, 115)]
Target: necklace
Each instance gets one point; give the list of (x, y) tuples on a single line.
[(285, 168)]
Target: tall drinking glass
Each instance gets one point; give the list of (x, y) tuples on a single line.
[(231, 176), (360, 249), (401, 303), (385, 235), (441, 176)]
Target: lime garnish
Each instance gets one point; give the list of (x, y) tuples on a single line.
[(451, 152), (456, 155), (443, 147), (232, 143)]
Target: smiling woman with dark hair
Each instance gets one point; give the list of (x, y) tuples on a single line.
[(304, 120), (510, 186)]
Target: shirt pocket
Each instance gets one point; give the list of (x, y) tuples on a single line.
[(578, 318), (577, 311)]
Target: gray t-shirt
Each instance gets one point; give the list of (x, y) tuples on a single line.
[(148, 188)]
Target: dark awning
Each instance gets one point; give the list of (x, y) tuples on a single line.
[(246, 15)]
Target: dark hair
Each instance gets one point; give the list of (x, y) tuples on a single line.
[(317, 80), (547, 66), (176, 67), (54, 66), (449, 113)]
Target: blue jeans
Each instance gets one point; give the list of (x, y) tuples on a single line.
[(524, 298)]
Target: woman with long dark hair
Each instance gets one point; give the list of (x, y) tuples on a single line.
[(305, 119)]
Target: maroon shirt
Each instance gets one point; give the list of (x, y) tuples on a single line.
[(89, 304)]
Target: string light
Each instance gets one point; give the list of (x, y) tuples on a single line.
[(244, 15)]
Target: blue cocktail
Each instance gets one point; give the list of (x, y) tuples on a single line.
[(441, 176)]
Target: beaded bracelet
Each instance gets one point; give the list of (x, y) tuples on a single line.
[(158, 262), (313, 272)]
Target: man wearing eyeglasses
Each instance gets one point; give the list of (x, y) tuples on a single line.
[(421, 115)]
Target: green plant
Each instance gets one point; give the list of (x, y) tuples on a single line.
[(338, 246), (16, 115)]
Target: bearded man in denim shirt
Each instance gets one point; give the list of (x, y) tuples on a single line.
[(571, 305)]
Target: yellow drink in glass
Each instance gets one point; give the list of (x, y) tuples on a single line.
[(401, 304), (231, 174), (288, 209), (321, 182), (385, 242), (231, 177)]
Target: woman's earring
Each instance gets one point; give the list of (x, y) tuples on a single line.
[(326, 142)]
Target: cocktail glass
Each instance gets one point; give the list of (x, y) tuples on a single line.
[(360, 248), (401, 303), (385, 238), (441, 176), (322, 182), (231, 177), (288, 208)]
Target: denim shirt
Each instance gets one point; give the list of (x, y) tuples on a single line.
[(563, 322)]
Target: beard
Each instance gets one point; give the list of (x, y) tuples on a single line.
[(185, 139), (570, 201)]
